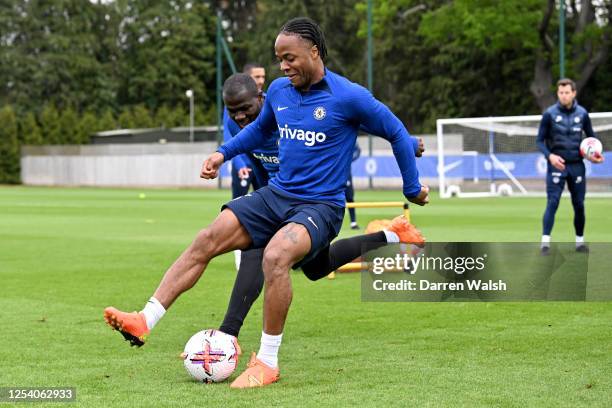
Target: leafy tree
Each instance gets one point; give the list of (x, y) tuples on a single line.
[(141, 117), (56, 51), (126, 119), (88, 124), (163, 117), (527, 25), (106, 121), (29, 131), (69, 127), (50, 126), (166, 48), (180, 117), (9, 146)]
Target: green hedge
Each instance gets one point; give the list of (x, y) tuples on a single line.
[(52, 126)]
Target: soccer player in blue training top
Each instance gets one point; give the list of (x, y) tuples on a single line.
[(244, 102), (559, 138), (300, 211), (242, 167), (241, 180)]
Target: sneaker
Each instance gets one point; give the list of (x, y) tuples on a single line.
[(354, 226), (407, 233), (257, 374), (545, 250), (132, 326), (582, 248)]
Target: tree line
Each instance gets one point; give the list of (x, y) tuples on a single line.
[(69, 68)]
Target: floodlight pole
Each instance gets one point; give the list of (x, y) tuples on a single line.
[(562, 38), (189, 93), (219, 69)]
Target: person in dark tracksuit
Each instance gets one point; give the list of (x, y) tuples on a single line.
[(559, 137)]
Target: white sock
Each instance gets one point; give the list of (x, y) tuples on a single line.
[(237, 255), (268, 350), (354, 223), (579, 240), (153, 312), (392, 237), (545, 241)]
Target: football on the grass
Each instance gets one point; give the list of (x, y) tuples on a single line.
[(211, 356)]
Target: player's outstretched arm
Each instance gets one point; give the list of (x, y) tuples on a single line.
[(361, 106)]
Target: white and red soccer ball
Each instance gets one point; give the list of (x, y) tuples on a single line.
[(591, 148), (211, 356)]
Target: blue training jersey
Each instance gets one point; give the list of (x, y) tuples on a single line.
[(266, 154), (231, 129), (318, 130)]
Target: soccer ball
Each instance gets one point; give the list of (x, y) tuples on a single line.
[(590, 147), (211, 356)]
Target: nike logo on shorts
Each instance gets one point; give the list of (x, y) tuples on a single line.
[(313, 223), (281, 108)]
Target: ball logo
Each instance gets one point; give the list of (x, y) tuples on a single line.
[(319, 113), (577, 119)]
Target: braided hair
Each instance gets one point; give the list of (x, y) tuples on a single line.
[(307, 29)]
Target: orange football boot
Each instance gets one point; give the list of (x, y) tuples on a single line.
[(132, 326), (257, 374), (407, 233)]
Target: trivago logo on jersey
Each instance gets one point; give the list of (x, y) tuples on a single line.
[(265, 158), (309, 137)]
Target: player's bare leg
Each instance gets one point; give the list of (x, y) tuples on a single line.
[(290, 244), (223, 235)]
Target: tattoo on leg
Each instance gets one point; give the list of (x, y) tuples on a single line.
[(290, 234)]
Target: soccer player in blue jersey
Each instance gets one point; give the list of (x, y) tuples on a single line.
[(559, 137), (295, 217), (241, 178), (244, 102)]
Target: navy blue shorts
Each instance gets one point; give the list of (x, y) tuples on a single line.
[(263, 212)]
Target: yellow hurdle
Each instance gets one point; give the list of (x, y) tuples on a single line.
[(381, 204), (360, 266)]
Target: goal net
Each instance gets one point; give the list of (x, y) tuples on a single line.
[(483, 157)]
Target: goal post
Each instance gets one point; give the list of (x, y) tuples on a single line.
[(495, 156)]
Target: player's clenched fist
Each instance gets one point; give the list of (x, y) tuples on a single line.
[(210, 167), (422, 198)]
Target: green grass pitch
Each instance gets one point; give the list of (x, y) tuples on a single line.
[(65, 254)]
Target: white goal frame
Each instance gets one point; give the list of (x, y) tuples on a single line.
[(514, 187)]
